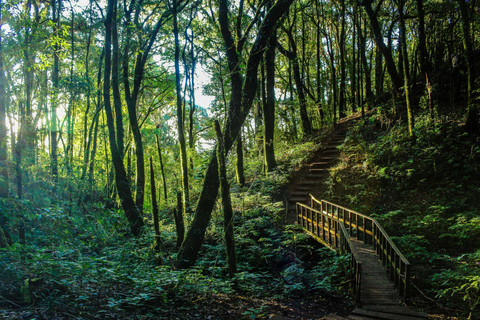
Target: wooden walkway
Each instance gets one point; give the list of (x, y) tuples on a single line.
[(380, 273)]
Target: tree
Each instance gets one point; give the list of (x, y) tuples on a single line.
[(269, 106), (226, 203), (406, 69), (123, 188), (180, 112), (299, 86), (241, 100), (472, 125), (4, 185), (386, 51)]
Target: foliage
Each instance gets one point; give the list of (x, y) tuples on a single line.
[(81, 260)]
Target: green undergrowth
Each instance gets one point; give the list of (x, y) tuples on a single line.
[(83, 263), (426, 195)]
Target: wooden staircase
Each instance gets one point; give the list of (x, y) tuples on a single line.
[(380, 273)]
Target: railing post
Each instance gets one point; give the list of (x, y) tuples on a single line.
[(406, 289), (350, 223), (335, 223), (298, 214)]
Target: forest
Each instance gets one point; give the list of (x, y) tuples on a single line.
[(147, 148)]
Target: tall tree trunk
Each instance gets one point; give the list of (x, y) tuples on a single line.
[(240, 104), (180, 113), (269, 108), (160, 157), (226, 203), (153, 193), (472, 125), (406, 69), (353, 73), (422, 46), (386, 51), (342, 105), (318, 49), (56, 9), (378, 71), (117, 99), (239, 171), (362, 38), (191, 122), (4, 180), (131, 211), (178, 216), (293, 57)]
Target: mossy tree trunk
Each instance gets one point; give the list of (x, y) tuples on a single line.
[(123, 188), (472, 125), (4, 185), (241, 101), (226, 203)]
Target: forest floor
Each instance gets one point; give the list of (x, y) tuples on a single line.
[(56, 279)]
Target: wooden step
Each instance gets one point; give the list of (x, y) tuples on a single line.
[(302, 187), (330, 147), (298, 199), (318, 170), (309, 182), (316, 176), (404, 310), (333, 317), (380, 315), (331, 151), (320, 164), (299, 193)]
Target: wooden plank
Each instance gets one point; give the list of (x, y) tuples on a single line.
[(397, 310), (382, 315)]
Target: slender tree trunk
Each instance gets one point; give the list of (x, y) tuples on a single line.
[(123, 188), (318, 49), (98, 108), (269, 108), (353, 74), (178, 216), (406, 69), (180, 113), (160, 157), (191, 114), (117, 99), (386, 51), (472, 125), (292, 56), (366, 68), (227, 203), (378, 72), (343, 75), (422, 46), (239, 172), (4, 180), (153, 193)]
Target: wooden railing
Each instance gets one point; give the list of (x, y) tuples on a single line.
[(324, 219), (333, 234)]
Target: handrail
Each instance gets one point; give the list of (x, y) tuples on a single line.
[(369, 231), (333, 234)]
